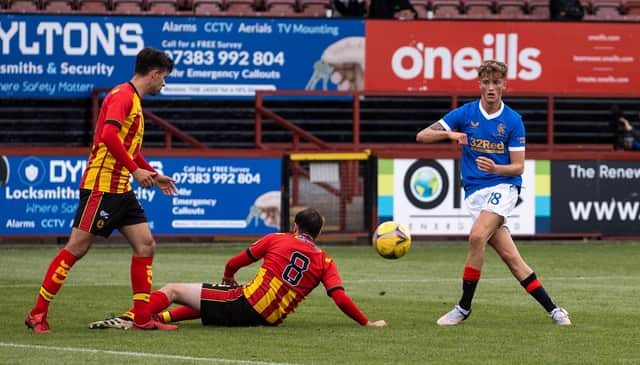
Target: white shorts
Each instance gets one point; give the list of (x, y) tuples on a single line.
[(499, 199)]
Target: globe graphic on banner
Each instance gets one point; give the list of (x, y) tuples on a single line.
[(426, 184)]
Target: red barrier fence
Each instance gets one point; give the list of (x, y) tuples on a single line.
[(304, 141)]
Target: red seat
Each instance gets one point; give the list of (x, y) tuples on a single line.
[(58, 6), (133, 7), (269, 3), (162, 7), (631, 10), (593, 3), (478, 9), (314, 8), (511, 9), (208, 7), (94, 6), (604, 8), (445, 9), (280, 8), (24, 6), (604, 12), (631, 7), (241, 8), (279, 5), (538, 10)]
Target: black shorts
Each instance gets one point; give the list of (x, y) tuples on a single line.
[(226, 306), (100, 213)]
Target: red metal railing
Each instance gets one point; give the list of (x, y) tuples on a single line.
[(170, 130), (263, 112)]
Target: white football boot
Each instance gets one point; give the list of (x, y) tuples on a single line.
[(454, 317), (122, 323), (560, 316)]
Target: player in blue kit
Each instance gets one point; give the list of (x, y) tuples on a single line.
[(493, 143)]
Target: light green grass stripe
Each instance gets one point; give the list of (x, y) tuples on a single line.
[(140, 354), (507, 278)]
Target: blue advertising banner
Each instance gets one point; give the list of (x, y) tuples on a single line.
[(52, 56), (215, 195)]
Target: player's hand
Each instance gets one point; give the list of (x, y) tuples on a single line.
[(627, 126), (144, 177), (379, 323), (346, 56), (229, 280), (461, 138), (485, 164), (166, 184)]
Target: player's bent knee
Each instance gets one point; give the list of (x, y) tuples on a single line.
[(170, 290)]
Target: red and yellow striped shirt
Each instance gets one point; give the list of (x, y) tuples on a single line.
[(104, 173), (293, 266)]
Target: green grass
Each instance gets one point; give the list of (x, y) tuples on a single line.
[(597, 283)]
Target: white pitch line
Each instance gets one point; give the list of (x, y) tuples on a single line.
[(140, 354)]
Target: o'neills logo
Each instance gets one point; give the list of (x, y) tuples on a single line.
[(430, 62)]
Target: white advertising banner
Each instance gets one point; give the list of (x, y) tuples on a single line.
[(428, 198)]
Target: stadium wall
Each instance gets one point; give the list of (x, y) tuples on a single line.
[(566, 194)]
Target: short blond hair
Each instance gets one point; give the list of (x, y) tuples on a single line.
[(492, 67)]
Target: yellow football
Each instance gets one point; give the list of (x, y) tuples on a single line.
[(391, 240)]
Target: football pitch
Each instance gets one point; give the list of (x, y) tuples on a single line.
[(598, 283)]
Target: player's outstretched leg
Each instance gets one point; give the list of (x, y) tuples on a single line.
[(59, 268), (123, 322), (154, 324)]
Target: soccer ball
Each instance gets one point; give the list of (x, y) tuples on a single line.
[(391, 240)]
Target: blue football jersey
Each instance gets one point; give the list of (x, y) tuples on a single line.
[(490, 135)]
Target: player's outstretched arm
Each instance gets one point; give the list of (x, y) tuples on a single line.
[(379, 323), (436, 133), (348, 307)]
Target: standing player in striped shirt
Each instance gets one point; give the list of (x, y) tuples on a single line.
[(292, 267), (493, 142), (106, 199)]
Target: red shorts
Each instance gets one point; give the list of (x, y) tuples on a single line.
[(222, 305)]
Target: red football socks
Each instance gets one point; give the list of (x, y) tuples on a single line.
[(141, 279), (53, 279), (178, 314)]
